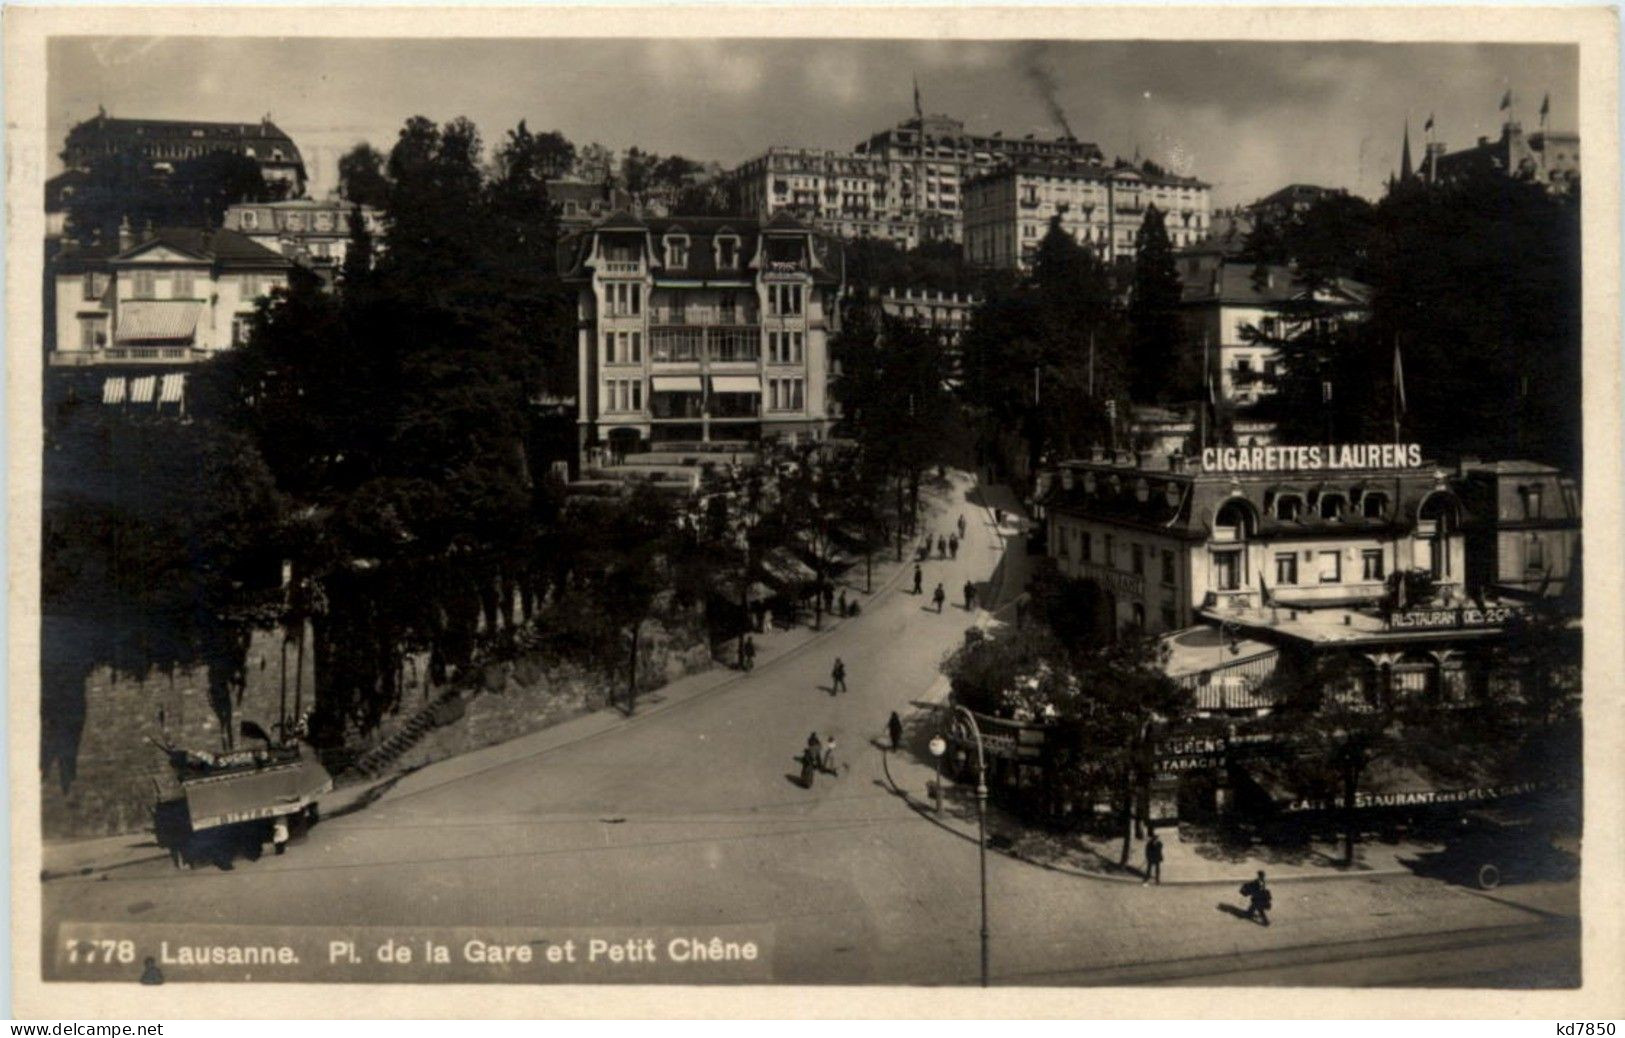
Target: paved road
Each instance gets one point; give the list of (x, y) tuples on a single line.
[(691, 818)]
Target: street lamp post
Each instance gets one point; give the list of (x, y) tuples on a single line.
[(938, 748)]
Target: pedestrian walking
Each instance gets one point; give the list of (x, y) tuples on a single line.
[(942, 547), (998, 516), (842, 611), (894, 728), (837, 677), (961, 524), (747, 654), (970, 595), (811, 757), (953, 546), (829, 755), (1153, 859), (1259, 900), (829, 599), (939, 596), (917, 578)]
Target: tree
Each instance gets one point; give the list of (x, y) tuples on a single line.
[(1335, 716), (1153, 315), (638, 172), (123, 190), (361, 177)]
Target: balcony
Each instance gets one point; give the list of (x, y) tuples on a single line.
[(621, 266), (126, 355), (702, 315), (716, 343)]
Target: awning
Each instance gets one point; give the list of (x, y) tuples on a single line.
[(143, 388), (262, 793), (735, 384), (784, 570), (677, 384), (158, 321), (174, 389), (113, 390)]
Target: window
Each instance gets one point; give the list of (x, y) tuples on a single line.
[(251, 286), (1244, 365), (250, 219), (795, 347), (1227, 570), (1426, 555), (1537, 553), (1371, 567), (625, 342), (1086, 542), (1372, 505), (677, 253), (609, 347), (1331, 567), (1332, 505), (795, 394), (637, 395), (1287, 506), (1065, 538), (784, 300), (92, 332), (1286, 568), (1531, 502), (637, 347), (1270, 368), (183, 285), (1139, 615), (95, 285), (727, 253), (242, 326), (1109, 557), (1168, 569), (145, 287), (1137, 559)]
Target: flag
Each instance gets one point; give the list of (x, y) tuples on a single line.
[(1545, 105), (1399, 377), (918, 113), (1263, 592), (1427, 127), (1506, 100)]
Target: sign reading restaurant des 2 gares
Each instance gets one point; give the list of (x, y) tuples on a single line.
[(1329, 456)]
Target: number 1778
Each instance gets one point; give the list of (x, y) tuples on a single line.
[(105, 950)]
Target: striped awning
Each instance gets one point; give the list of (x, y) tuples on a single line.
[(677, 384), (736, 384), (158, 321), (173, 389), (142, 389), (113, 390)]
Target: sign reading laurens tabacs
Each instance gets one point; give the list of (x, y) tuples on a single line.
[(1329, 456)]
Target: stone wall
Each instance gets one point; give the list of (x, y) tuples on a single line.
[(97, 769)]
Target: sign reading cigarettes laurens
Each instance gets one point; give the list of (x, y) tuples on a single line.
[(1316, 456)]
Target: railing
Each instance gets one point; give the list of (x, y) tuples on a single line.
[(700, 315), (622, 267), (124, 355)]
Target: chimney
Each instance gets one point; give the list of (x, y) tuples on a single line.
[(126, 240), (1482, 141)]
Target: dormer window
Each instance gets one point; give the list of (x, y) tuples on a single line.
[(677, 252), (249, 219), (727, 253)]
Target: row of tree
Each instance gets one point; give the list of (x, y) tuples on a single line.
[(1108, 704)]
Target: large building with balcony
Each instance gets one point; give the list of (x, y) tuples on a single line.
[(162, 144), (1008, 210), (1244, 553), (905, 184), (702, 330), (132, 314), (313, 233)]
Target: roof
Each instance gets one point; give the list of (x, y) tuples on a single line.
[(1293, 193), (228, 248), (103, 126), (1240, 285), (701, 232), (1084, 171)]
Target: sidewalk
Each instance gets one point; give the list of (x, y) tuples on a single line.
[(112, 852)]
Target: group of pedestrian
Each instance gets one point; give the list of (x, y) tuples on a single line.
[(819, 755)]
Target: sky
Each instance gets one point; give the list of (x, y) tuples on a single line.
[(1247, 118)]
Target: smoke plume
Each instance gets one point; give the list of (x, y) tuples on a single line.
[(1044, 83)]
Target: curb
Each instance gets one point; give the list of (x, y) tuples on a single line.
[(929, 814)]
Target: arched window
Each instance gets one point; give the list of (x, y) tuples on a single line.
[(1235, 521), (1373, 504), (1331, 504), (1288, 505)]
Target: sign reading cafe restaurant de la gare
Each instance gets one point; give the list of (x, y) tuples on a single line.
[(1331, 456)]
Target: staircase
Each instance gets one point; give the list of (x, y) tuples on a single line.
[(382, 757)]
